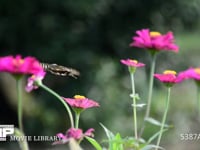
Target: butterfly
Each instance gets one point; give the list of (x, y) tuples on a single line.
[(60, 70)]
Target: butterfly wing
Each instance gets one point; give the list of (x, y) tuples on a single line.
[(60, 70)]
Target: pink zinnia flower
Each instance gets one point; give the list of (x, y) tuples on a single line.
[(34, 80), (74, 133), (18, 65), (191, 73), (132, 63), (154, 41), (81, 102), (168, 77)]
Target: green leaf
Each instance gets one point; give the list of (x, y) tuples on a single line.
[(94, 143), (136, 96), (118, 142), (139, 105), (150, 147), (156, 122), (109, 134), (155, 136)]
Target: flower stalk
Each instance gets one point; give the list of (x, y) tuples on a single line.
[(77, 120), (151, 80), (149, 100), (20, 107), (134, 104), (61, 100), (164, 117), (132, 66), (22, 143), (198, 99)]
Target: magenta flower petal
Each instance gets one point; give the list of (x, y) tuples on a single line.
[(81, 102), (168, 77), (131, 63), (74, 133), (154, 41), (61, 136), (33, 65), (191, 73), (19, 65), (89, 132), (5, 63), (33, 80)]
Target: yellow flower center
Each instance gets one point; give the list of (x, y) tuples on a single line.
[(18, 62), (197, 70), (134, 61), (33, 76), (169, 72), (79, 97), (154, 34)]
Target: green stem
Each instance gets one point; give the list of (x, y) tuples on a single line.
[(61, 100), (164, 117), (22, 143), (77, 120), (150, 85), (134, 104), (151, 80), (19, 97), (198, 99)]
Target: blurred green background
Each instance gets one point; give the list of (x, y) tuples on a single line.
[(92, 36)]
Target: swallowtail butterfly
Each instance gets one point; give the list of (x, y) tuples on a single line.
[(60, 70)]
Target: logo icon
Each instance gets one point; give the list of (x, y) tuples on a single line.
[(6, 130)]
